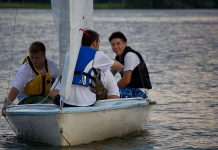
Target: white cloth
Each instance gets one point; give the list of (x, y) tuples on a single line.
[(110, 83), (81, 95), (102, 61), (25, 74), (131, 60)]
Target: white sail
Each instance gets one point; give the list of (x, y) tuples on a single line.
[(61, 17), (70, 16)]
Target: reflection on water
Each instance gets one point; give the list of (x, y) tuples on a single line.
[(180, 48)]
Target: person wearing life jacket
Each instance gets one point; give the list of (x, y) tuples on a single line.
[(34, 78), (86, 81), (135, 80)]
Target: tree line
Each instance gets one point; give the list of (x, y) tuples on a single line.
[(161, 4), (147, 4)]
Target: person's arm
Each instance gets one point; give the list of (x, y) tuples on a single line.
[(114, 72), (55, 88), (131, 60), (12, 94), (23, 76), (110, 84), (11, 97), (104, 62), (117, 66), (54, 93), (112, 97), (125, 80)]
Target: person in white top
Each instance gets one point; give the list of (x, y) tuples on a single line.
[(81, 94), (135, 76), (34, 78)]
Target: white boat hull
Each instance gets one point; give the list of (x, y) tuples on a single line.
[(47, 123)]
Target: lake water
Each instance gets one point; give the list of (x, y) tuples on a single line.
[(180, 48)]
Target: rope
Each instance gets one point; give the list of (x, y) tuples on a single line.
[(59, 79), (131, 39), (128, 27), (12, 51), (61, 132), (11, 125)]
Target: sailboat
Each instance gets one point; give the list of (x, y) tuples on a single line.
[(67, 126)]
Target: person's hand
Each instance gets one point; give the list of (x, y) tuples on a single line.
[(5, 105), (57, 100)]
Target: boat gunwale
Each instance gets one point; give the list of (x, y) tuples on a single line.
[(42, 109)]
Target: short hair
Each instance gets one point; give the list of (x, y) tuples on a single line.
[(117, 34), (37, 47), (89, 36)]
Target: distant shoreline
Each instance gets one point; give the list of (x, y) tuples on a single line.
[(25, 5), (48, 5), (31, 5)]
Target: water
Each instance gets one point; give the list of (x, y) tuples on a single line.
[(180, 48)]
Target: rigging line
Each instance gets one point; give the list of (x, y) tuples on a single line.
[(59, 21), (105, 26), (59, 79), (11, 125), (61, 132), (128, 27), (12, 50), (123, 2)]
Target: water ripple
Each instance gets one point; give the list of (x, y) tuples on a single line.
[(180, 48)]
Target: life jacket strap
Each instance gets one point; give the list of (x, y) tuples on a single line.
[(85, 74), (32, 66)]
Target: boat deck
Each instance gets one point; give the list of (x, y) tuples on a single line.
[(101, 105)]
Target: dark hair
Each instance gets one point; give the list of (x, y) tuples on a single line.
[(37, 47), (89, 36), (117, 34)]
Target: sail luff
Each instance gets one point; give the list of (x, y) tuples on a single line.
[(64, 34), (61, 17), (60, 10), (80, 12)]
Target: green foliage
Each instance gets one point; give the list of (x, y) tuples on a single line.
[(119, 4), (107, 6), (160, 3), (138, 4), (25, 5)]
